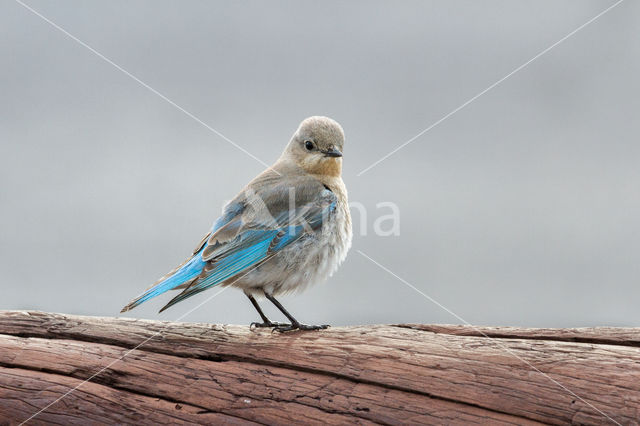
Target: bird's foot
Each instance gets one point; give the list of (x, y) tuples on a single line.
[(298, 326), (268, 324)]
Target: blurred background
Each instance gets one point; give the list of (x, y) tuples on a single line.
[(521, 209)]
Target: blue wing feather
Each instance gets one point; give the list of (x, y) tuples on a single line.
[(250, 247), (227, 268)]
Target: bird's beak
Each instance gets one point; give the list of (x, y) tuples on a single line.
[(333, 152)]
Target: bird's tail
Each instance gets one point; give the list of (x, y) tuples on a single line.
[(183, 274)]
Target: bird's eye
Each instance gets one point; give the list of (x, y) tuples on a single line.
[(308, 145)]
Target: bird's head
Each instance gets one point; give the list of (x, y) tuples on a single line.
[(317, 146)]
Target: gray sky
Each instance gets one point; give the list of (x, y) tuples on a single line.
[(521, 209)]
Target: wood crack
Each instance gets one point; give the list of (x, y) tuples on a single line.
[(526, 334)]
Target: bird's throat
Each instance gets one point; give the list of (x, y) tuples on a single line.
[(326, 167)]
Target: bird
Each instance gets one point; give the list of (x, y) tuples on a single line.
[(287, 229)]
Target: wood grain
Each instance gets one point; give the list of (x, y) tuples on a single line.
[(162, 372)]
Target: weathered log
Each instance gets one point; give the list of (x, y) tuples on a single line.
[(158, 372)]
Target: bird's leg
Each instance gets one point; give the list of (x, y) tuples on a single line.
[(295, 325), (266, 322)]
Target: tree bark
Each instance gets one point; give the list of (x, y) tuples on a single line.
[(150, 372)]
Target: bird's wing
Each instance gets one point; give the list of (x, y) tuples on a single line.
[(266, 226), (256, 225)]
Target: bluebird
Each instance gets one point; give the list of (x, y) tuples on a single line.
[(289, 228)]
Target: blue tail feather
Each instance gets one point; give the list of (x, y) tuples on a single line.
[(187, 272)]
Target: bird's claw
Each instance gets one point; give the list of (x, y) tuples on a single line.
[(291, 327)]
